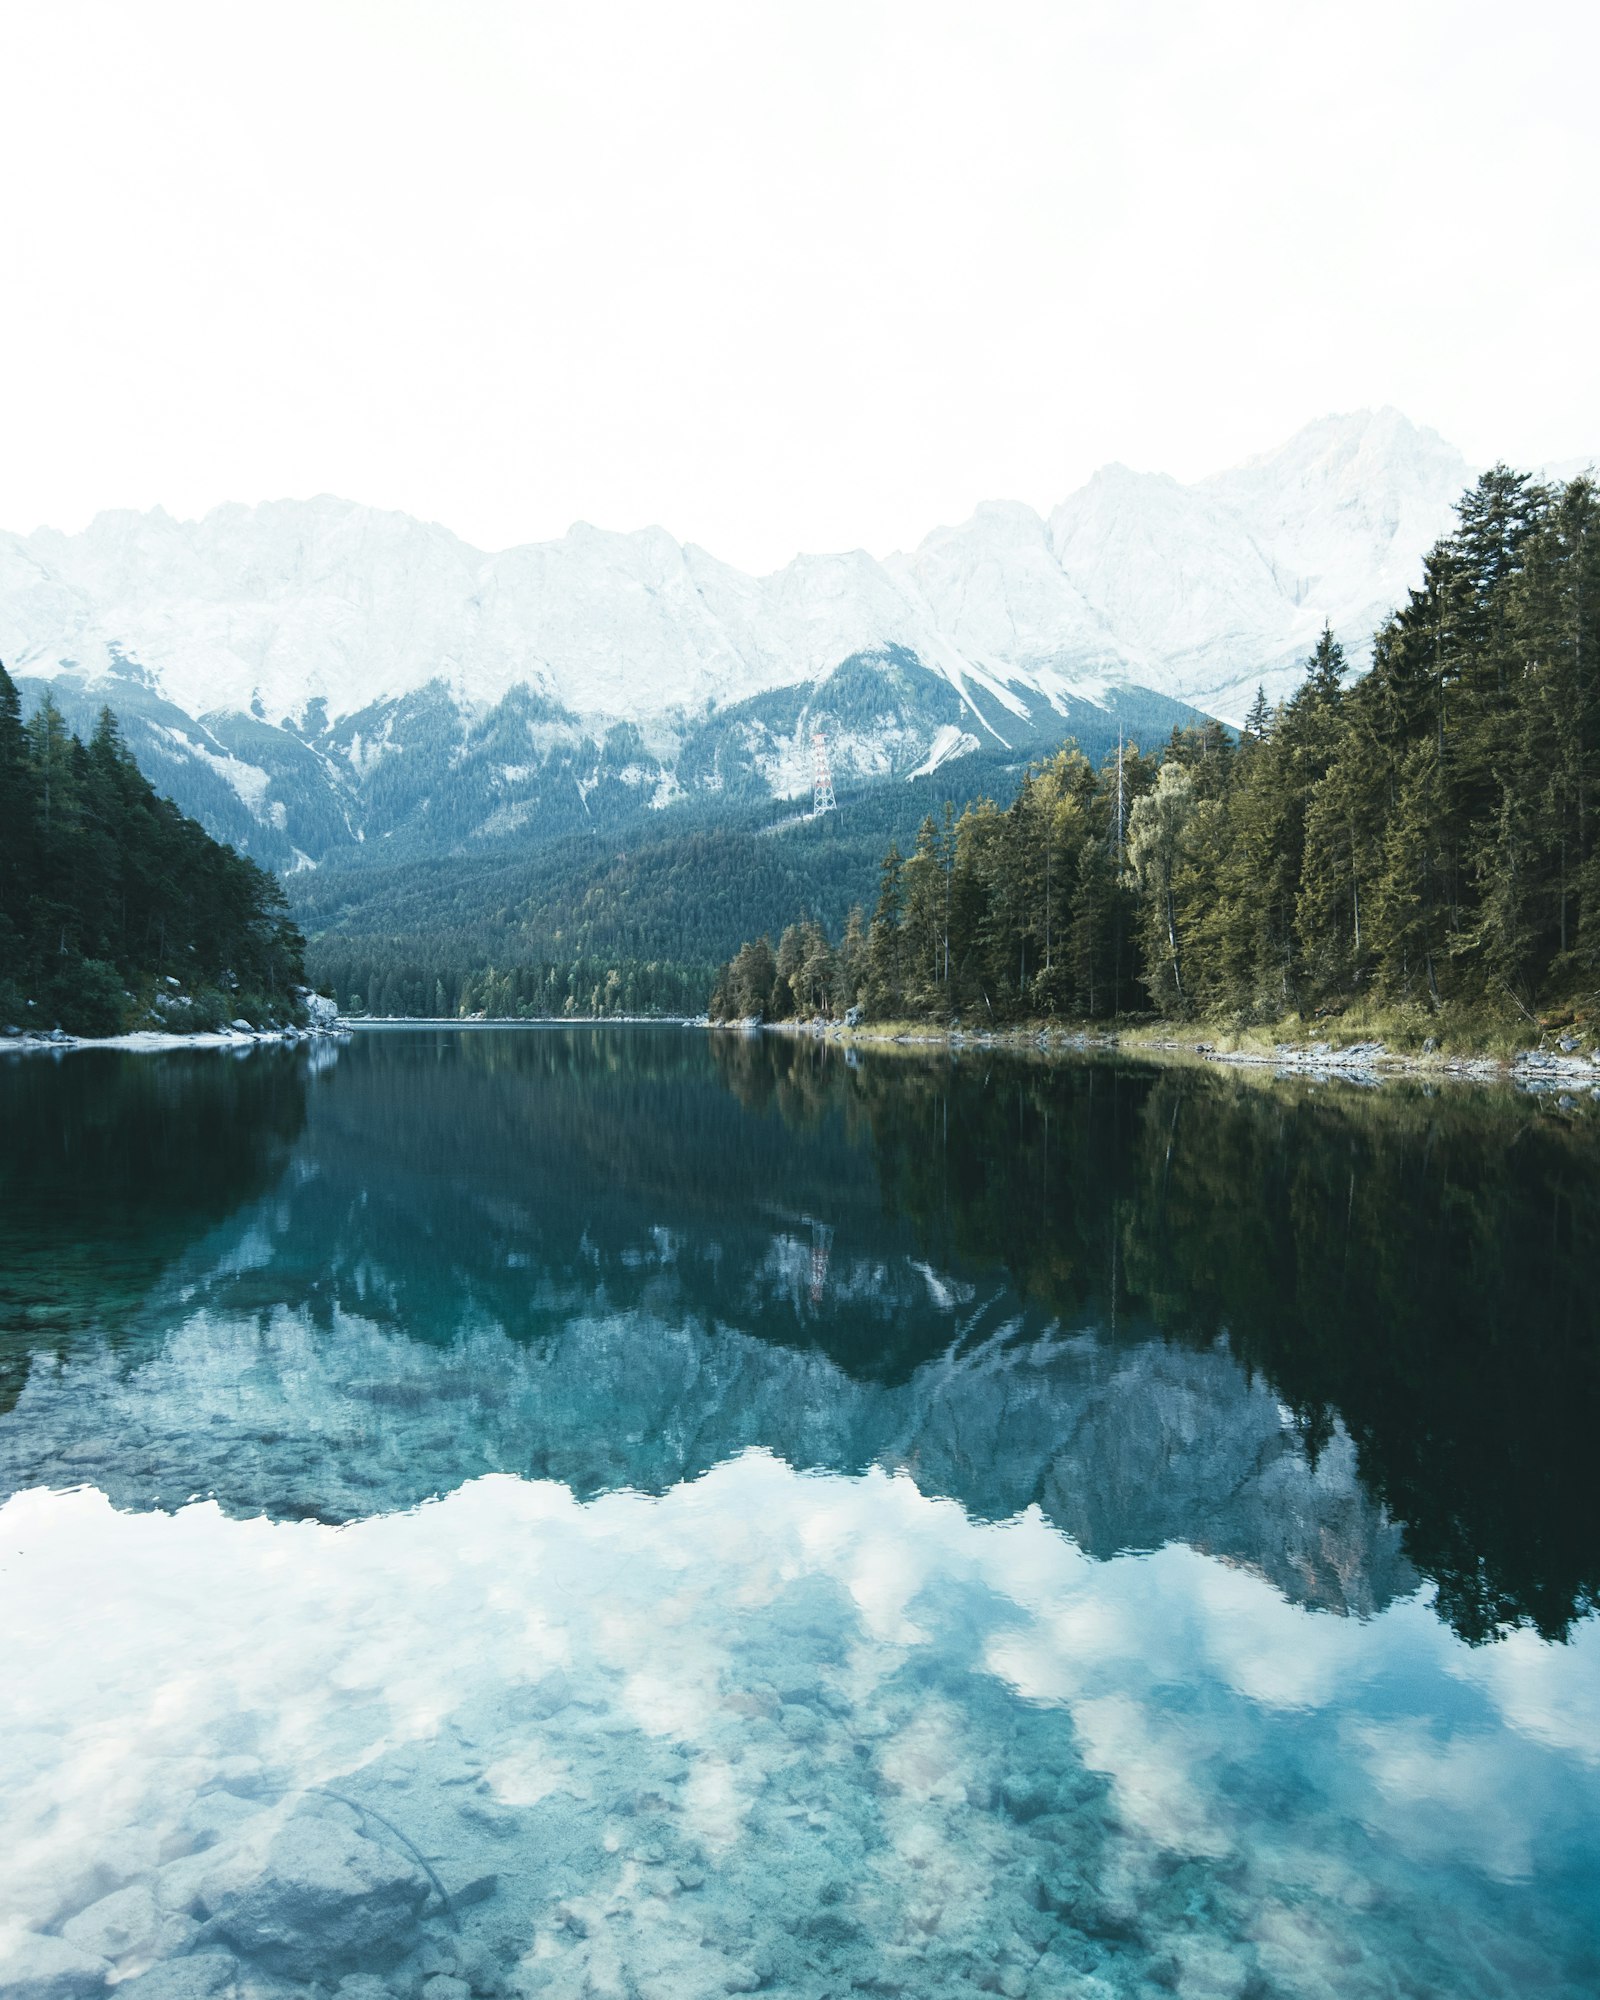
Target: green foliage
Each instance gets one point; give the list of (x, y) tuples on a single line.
[(106, 888), (1427, 838), (412, 978), (86, 994), (545, 875), (998, 914), (1421, 837)]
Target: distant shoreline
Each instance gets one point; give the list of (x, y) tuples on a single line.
[(157, 1041), (1364, 1062), (154, 1041), (391, 1021)]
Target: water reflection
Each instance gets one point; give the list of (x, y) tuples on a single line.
[(888, 1516), (111, 1166), (1345, 1337)]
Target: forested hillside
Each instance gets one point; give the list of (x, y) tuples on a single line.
[(530, 926), (1424, 838), (107, 889)]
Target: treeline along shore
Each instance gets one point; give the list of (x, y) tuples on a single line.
[(117, 911), (1416, 849)]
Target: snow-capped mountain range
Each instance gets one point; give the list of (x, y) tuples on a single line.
[(284, 653)]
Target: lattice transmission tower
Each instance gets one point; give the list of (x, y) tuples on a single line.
[(822, 799)]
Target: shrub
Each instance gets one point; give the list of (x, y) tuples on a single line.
[(85, 996)]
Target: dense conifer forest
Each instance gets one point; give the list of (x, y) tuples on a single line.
[(532, 926), (430, 980), (114, 908), (1425, 838)]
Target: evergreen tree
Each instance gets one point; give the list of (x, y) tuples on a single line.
[(925, 889), (104, 885), (17, 816), (850, 964), (882, 986), (752, 977)]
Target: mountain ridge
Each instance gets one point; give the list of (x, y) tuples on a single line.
[(311, 675), (752, 632)]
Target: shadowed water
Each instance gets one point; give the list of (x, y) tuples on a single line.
[(627, 1512)]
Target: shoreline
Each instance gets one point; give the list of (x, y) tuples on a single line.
[(1367, 1063), (351, 1023), (156, 1041)]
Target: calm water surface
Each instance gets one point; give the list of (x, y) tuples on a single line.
[(628, 1513)]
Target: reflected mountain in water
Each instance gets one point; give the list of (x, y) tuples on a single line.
[(1344, 1340), (1123, 1448)]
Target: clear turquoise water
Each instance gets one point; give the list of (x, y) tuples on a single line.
[(627, 1513)]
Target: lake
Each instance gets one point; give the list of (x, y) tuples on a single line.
[(637, 1514)]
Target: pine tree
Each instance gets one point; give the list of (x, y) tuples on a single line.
[(18, 812), (1258, 721), (850, 965), (817, 973), (925, 896), (882, 987), (1090, 934)]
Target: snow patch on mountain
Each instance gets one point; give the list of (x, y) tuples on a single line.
[(249, 781), (995, 586), (948, 742), (310, 674), (1135, 580)]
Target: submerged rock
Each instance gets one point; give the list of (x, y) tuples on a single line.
[(128, 1923), (204, 1976), (445, 1986), (36, 1967), (364, 1986), (328, 1899)]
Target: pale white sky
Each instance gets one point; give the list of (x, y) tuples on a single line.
[(776, 276)]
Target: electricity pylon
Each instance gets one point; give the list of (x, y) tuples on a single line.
[(822, 799)]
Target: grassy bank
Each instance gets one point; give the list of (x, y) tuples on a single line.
[(1482, 1044)]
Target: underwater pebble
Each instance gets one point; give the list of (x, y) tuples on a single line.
[(435, 1955)]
